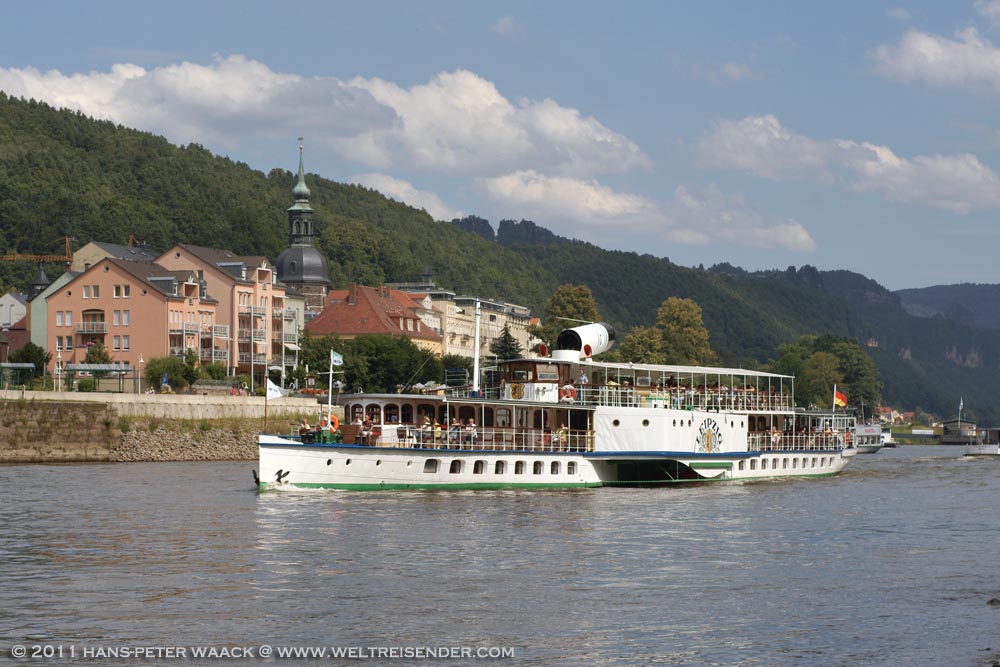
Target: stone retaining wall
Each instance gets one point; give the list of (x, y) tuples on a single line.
[(202, 442), (31, 432)]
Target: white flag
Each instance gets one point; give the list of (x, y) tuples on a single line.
[(961, 403), (274, 391), (336, 359)]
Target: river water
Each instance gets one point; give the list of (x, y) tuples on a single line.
[(892, 562)]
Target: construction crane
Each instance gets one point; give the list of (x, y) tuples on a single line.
[(18, 257)]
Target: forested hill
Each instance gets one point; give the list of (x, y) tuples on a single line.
[(63, 174)]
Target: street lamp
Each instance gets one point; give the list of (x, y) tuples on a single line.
[(59, 371), (140, 372)]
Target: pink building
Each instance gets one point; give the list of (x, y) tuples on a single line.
[(250, 304), (133, 308)]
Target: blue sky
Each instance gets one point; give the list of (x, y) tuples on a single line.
[(852, 135)]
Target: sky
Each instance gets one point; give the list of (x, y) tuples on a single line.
[(856, 135)]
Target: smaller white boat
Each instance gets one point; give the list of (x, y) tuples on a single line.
[(988, 443), (866, 438), (887, 440)]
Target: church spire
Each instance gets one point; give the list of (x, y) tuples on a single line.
[(300, 191)]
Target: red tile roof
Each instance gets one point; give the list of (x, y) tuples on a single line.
[(370, 310)]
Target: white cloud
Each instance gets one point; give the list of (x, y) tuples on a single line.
[(989, 8), (543, 197), (692, 217), (898, 13), (404, 191), (216, 104), (761, 145), (968, 62), (504, 26), (460, 122), (457, 123), (709, 216)]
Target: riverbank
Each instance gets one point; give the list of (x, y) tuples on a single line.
[(149, 429)]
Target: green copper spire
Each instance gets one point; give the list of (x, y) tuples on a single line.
[(300, 191)]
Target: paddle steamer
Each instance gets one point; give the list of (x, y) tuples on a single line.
[(567, 420)]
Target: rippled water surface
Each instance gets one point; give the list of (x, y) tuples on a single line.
[(893, 562)]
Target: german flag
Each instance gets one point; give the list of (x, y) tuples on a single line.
[(839, 398)]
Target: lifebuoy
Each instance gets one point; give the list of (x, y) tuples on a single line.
[(334, 423), (568, 392)]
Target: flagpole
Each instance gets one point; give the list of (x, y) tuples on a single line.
[(833, 408), (329, 391), (267, 390)]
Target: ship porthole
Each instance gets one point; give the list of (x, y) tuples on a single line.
[(378, 463), (347, 462), (645, 422), (329, 461), (409, 463), (616, 423)]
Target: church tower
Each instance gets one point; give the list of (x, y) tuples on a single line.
[(301, 266)]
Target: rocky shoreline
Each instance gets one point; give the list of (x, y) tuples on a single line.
[(201, 443)]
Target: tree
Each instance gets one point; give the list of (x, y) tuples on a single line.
[(31, 354), (172, 367), (505, 346), (97, 354), (819, 375), (569, 306), (190, 372), (820, 362), (685, 338), (642, 345)]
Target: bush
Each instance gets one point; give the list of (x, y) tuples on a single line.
[(86, 384), (216, 371)]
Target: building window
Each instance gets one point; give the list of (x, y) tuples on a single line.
[(117, 291), (59, 343), (125, 343), (86, 291), (97, 291), (126, 291), (69, 342), (116, 318), (117, 343), (69, 319), (59, 318), (126, 317)]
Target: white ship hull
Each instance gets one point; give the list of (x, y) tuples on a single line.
[(362, 468), (984, 449)]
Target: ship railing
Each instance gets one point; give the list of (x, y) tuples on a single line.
[(781, 442), (488, 439)]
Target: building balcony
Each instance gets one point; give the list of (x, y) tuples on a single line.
[(213, 355), (92, 328), (258, 359), (215, 331), (246, 335)]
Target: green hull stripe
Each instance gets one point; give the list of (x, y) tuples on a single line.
[(710, 464)]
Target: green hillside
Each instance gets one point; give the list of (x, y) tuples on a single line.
[(63, 174)]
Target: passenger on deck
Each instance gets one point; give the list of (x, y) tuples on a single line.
[(562, 437), (366, 433), (583, 378), (470, 432), (305, 431), (437, 431), (454, 430)]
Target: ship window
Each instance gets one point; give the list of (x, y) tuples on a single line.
[(392, 414), (431, 465), (548, 372), (571, 468), (347, 462), (675, 423), (487, 416), (554, 468), (521, 375), (741, 465), (456, 467), (732, 424), (814, 462), (479, 467), (378, 463), (406, 415), (519, 468), (500, 468), (784, 463), (538, 468), (329, 461), (689, 422), (645, 422), (822, 462), (503, 417), (616, 423), (763, 464), (753, 464)]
